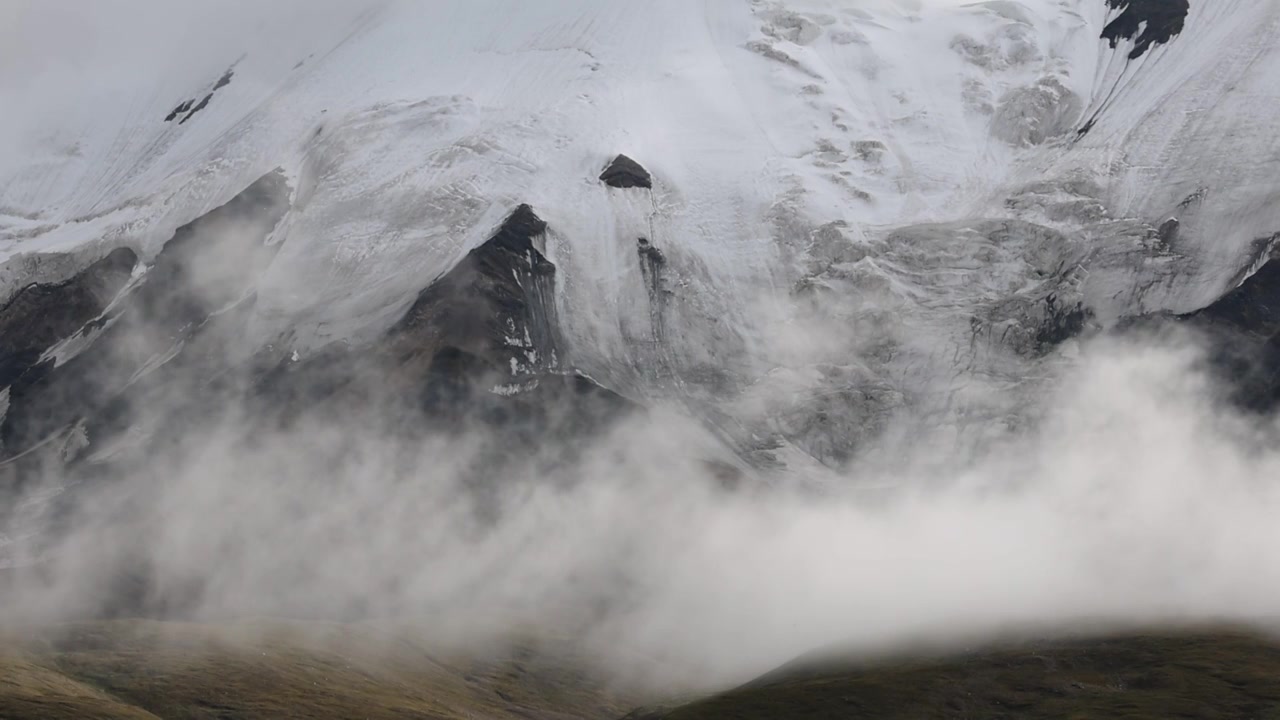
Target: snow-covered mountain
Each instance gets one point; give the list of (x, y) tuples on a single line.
[(957, 187), (814, 226)]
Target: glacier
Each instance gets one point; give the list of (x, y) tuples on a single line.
[(946, 182), (810, 237)]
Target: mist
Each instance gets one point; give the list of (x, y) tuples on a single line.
[(1130, 492), (1137, 498)]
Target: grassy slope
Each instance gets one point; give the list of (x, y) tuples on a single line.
[(147, 670), (32, 691), (1170, 675)]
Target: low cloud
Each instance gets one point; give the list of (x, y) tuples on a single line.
[(1137, 498)]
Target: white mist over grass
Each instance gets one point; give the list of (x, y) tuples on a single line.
[(1138, 499), (1135, 497)]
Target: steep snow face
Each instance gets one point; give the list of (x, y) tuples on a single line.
[(957, 187), (1181, 132)]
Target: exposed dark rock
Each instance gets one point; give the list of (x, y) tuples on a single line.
[(1146, 23), (479, 347), (1252, 308), (1167, 233), (225, 80), (1062, 322), (199, 106), (519, 231), (207, 265), (453, 379), (650, 254), (188, 108), (1194, 199), (652, 262), (497, 304), (477, 353), (1261, 250), (41, 315), (1244, 331), (624, 172), (182, 107)]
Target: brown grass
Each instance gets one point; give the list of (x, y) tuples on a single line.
[(1209, 675), (139, 669), (145, 670)]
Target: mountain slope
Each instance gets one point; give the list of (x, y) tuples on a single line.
[(1205, 675), (576, 309), (795, 148), (147, 670)]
